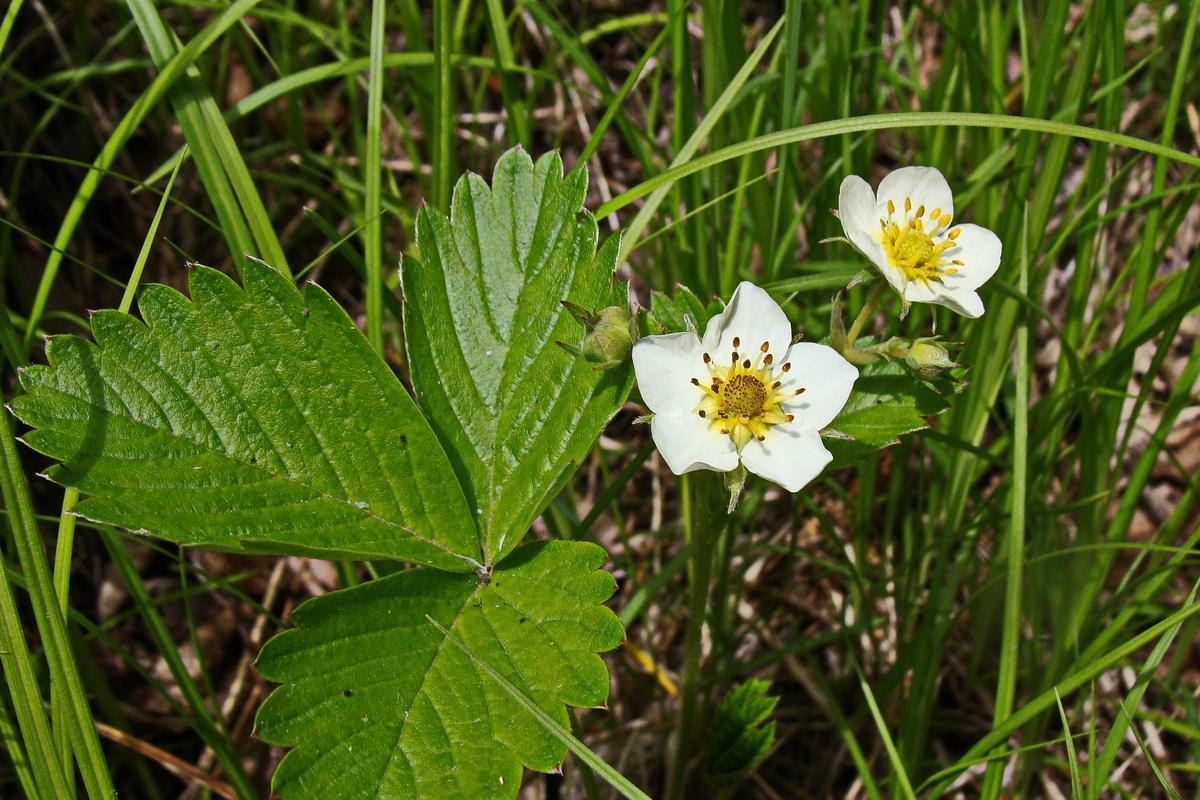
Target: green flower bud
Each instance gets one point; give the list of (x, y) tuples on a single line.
[(928, 358), (610, 334)]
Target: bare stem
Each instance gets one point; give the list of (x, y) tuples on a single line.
[(867, 311)]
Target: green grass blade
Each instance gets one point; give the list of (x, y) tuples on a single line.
[(1144, 267), (514, 101), (10, 18), (937, 784), (1116, 737), (684, 156), (49, 775), (222, 168), (10, 738), (878, 122), (1072, 758), (442, 157), (202, 717), (905, 788), (372, 177), (59, 657), (1010, 646), (125, 129)]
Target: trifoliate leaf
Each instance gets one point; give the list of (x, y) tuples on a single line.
[(256, 419), (887, 402), (738, 739), (378, 703), (482, 313)]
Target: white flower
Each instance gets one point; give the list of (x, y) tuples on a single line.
[(744, 393), (904, 229)]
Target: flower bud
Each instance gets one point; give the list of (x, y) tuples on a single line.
[(610, 334), (928, 358)]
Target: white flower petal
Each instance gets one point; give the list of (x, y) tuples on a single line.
[(979, 249), (687, 442), (665, 366), (826, 378), (754, 317), (790, 456), (860, 216), (925, 186), (961, 301)]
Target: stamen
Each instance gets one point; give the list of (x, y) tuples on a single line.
[(786, 367), (907, 204), (768, 359), (937, 212), (789, 418), (943, 221), (737, 342), (707, 358), (746, 364), (765, 346), (800, 390), (891, 207), (776, 384), (735, 357), (695, 381), (921, 210), (702, 414), (761, 438)]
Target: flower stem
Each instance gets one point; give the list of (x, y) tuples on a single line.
[(867, 310), (700, 526)]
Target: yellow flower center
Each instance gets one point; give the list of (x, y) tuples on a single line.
[(910, 245), (744, 400)]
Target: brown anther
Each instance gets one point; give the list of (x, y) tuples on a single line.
[(695, 381), (746, 364), (737, 342), (707, 358), (776, 384), (725, 431), (786, 367), (800, 390), (765, 346), (716, 386), (768, 359), (761, 438), (735, 357), (702, 414), (789, 418)]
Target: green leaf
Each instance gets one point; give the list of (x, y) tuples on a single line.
[(887, 402), (738, 739), (378, 703), (514, 411), (670, 310), (255, 419)]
